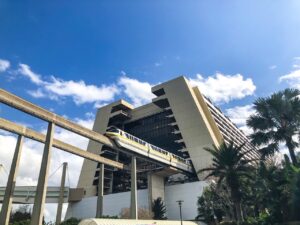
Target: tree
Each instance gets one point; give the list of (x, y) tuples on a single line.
[(229, 165), (276, 120), (21, 214), (159, 209), (71, 221), (214, 204)]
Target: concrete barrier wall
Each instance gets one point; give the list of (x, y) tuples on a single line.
[(114, 203), (189, 193)]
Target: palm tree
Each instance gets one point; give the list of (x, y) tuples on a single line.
[(159, 209), (276, 121), (230, 165)]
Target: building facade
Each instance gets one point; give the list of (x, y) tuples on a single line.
[(180, 120)]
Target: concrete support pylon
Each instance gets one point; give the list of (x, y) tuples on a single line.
[(99, 212), (61, 194), (133, 202), (41, 190), (11, 183)]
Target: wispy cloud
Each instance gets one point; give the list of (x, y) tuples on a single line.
[(293, 78), (273, 67), (239, 115), (26, 71), (222, 88), (4, 65), (138, 92), (157, 64), (79, 91), (296, 63)]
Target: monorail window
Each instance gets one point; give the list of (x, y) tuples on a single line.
[(113, 129)]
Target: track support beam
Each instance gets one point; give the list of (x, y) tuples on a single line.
[(11, 183), (133, 202), (99, 212), (40, 197), (61, 194)]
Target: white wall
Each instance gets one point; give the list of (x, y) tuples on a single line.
[(189, 193), (114, 203)]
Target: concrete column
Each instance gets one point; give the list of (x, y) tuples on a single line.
[(133, 202), (156, 188), (41, 190), (61, 195), (111, 181), (11, 182), (99, 212)]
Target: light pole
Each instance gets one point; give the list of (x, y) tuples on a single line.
[(180, 204)]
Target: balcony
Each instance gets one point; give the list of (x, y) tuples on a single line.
[(120, 115), (161, 101)]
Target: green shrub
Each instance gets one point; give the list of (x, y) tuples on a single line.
[(290, 223), (22, 222), (71, 221), (109, 217)]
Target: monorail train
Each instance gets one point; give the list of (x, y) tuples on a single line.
[(128, 141)]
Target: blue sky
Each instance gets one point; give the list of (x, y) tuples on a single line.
[(151, 41), (74, 56)]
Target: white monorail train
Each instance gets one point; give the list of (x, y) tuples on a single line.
[(144, 148)]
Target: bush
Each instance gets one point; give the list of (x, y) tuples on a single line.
[(290, 223), (109, 217), (159, 209), (71, 221), (22, 222)]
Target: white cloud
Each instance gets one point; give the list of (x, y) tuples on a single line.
[(80, 91), (293, 78), (37, 93), (57, 88), (222, 88), (4, 65), (296, 66), (157, 64), (26, 71), (239, 115), (31, 159), (273, 67), (138, 92)]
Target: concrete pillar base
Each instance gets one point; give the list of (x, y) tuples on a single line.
[(133, 202)]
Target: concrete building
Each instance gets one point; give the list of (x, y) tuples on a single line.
[(179, 120)]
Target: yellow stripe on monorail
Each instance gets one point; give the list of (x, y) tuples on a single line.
[(142, 147)]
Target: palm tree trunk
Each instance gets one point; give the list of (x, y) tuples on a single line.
[(239, 214), (291, 151), (237, 203)]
